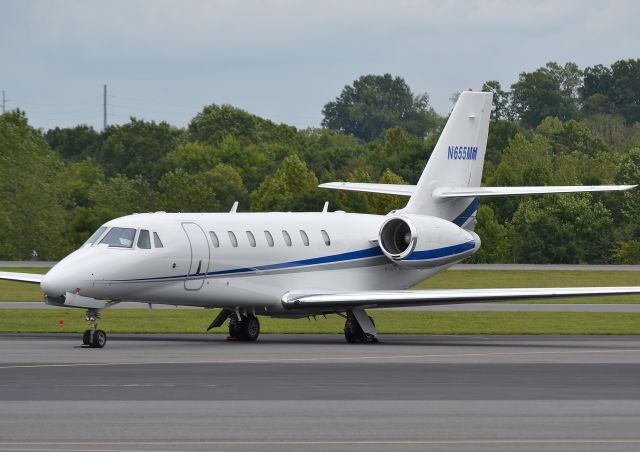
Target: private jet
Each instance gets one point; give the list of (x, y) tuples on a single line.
[(295, 265)]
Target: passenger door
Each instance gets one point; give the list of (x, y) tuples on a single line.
[(200, 255)]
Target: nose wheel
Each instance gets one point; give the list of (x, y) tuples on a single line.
[(93, 337)]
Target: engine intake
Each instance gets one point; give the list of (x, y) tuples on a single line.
[(398, 238), (421, 241)]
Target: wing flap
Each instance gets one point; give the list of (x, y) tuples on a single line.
[(463, 192), (33, 278), (381, 299)]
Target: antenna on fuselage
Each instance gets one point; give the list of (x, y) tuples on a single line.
[(325, 209), (234, 207)]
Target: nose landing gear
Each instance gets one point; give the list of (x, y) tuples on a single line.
[(93, 337)]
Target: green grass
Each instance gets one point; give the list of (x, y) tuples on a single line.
[(477, 279), (19, 291), (388, 322)]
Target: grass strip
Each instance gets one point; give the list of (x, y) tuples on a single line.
[(389, 322)]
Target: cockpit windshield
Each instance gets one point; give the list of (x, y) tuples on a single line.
[(120, 237), (96, 235)]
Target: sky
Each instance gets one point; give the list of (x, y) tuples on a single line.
[(283, 60)]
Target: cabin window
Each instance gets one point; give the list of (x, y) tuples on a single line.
[(287, 237), (233, 239), (214, 239), (252, 239), (120, 237), (305, 237), (144, 240), (157, 243), (269, 237), (325, 237), (96, 235)]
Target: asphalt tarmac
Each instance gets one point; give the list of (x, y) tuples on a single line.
[(314, 392)]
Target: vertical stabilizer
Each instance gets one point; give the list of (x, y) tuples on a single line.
[(456, 162)]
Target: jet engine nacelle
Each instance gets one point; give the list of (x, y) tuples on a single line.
[(421, 241)]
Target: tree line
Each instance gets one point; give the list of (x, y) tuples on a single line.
[(557, 125)]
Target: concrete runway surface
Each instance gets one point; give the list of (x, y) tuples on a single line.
[(314, 392)]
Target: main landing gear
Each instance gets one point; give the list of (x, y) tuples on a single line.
[(359, 327), (93, 337), (243, 326)]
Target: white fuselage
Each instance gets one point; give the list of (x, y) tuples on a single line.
[(201, 264)]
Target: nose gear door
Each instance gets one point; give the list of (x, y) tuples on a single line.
[(200, 255)]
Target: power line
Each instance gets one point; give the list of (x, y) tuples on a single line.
[(104, 106)]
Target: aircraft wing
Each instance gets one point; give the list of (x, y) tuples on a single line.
[(33, 278), (398, 298), (447, 192), (470, 192)]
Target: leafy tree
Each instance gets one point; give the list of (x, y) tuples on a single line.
[(227, 186), (500, 132), (570, 136), (75, 143), (193, 157), (329, 153), (186, 192), (500, 100), (217, 122), (628, 172), (292, 187), (137, 149), (627, 252), (547, 91), (374, 103), (613, 90), (383, 204), (494, 236), (524, 162), (32, 195), (564, 229)]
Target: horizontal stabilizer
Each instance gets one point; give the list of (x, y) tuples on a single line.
[(387, 189), (33, 278), (470, 192), (382, 299)]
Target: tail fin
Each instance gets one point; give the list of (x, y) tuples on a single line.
[(450, 184), (456, 162)]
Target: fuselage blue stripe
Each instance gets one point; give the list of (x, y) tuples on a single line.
[(441, 252), (360, 254), (466, 213), (352, 255)]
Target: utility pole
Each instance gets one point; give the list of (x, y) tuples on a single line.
[(4, 103), (104, 109)]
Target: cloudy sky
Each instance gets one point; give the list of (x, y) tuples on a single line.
[(282, 59)]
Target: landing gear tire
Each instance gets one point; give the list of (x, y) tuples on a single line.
[(354, 334), (96, 340), (93, 337), (86, 338), (352, 331), (246, 330), (99, 339)]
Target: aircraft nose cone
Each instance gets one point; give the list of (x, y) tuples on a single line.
[(53, 285)]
